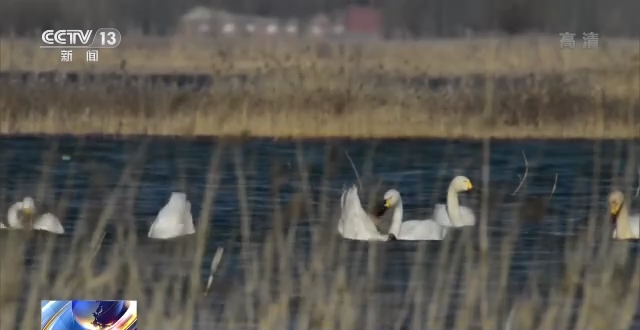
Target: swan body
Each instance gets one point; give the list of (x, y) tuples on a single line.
[(418, 230), (174, 219), (355, 223), (441, 216), (411, 230), (626, 226), (453, 214), (48, 222), (26, 209)]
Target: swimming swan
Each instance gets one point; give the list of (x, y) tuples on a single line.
[(21, 215), (174, 219), (355, 223), (411, 230), (453, 214), (626, 226)]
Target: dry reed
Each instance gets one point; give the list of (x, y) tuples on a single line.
[(506, 88), (323, 289), (438, 57), (537, 112)]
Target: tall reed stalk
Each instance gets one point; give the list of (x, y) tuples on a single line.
[(330, 284)]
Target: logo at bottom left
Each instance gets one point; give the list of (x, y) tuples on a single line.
[(89, 315)]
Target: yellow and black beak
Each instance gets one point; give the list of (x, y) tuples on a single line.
[(615, 210), (27, 218), (387, 203), (382, 208), (469, 186)]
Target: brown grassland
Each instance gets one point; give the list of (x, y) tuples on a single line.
[(317, 89), (599, 285)]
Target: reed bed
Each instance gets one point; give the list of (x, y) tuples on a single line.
[(335, 106), (438, 57), (282, 288), (525, 87)]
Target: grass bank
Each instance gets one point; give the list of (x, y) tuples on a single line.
[(312, 108), (322, 287), (438, 57), (315, 89)]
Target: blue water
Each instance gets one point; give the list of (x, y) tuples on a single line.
[(81, 176)]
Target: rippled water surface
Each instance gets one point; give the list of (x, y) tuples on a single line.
[(420, 169)]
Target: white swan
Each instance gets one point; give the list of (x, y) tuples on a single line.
[(174, 219), (626, 226), (24, 211), (411, 230), (355, 223), (453, 214)]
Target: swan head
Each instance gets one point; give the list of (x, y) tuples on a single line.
[(28, 205), (391, 198), (461, 184), (27, 210), (615, 201), (177, 197)]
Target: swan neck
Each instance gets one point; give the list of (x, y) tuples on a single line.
[(396, 221), (453, 206), (12, 216), (623, 226)]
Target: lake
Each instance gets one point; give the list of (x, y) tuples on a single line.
[(85, 172)]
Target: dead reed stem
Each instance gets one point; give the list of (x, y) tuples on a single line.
[(638, 189), (524, 177), (355, 170), (326, 283), (555, 183)]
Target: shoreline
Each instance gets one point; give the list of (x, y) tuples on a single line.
[(511, 134), (556, 113)]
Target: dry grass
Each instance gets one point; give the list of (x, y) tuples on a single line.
[(304, 110), (324, 90), (439, 57), (328, 292)]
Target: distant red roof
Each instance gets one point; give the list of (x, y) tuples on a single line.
[(361, 19)]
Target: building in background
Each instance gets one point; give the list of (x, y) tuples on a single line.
[(351, 22), (363, 21), (319, 26), (197, 21)]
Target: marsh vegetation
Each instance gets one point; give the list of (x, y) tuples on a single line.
[(297, 272), (509, 88)]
